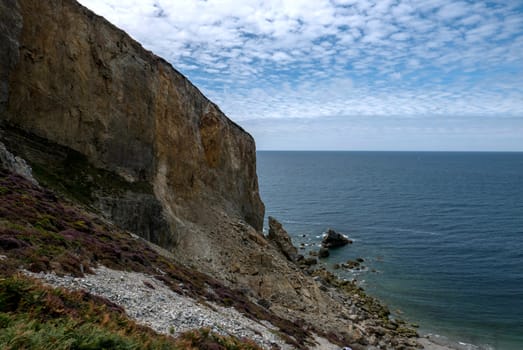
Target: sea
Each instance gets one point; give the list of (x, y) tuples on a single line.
[(441, 233)]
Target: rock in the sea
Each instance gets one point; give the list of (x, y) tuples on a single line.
[(281, 239), (323, 252), (334, 239), (351, 264)]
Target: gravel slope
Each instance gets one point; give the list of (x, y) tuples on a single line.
[(151, 303)]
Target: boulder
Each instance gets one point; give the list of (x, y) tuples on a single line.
[(351, 264), (334, 239), (323, 252), (279, 238), (309, 261), (15, 164)]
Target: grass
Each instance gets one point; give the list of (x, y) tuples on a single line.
[(67, 171), (41, 232), (77, 179), (33, 316)]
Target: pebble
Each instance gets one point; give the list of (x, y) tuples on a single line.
[(162, 309)]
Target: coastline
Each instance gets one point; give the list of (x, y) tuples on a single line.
[(425, 227), (439, 342), (367, 319), (426, 337)]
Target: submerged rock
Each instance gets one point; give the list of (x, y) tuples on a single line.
[(281, 239), (334, 239), (323, 252), (351, 264)]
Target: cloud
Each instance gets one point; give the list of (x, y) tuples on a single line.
[(332, 58)]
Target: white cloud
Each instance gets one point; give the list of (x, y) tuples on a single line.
[(453, 10), (339, 57)]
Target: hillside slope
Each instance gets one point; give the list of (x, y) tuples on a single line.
[(135, 147)]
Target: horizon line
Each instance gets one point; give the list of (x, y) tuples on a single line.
[(405, 151)]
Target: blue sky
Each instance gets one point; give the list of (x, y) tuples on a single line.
[(346, 74)]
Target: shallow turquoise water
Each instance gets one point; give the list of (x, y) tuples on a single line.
[(444, 230)]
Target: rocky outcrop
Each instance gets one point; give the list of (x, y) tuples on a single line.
[(323, 252), (78, 81), (10, 27), (281, 239), (333, 239), (118, 129), (132, 206), (15, 164)]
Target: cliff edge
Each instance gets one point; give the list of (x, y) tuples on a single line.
[(109, 125), (71, 78)]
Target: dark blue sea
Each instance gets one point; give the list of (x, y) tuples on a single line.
[(442, 230)]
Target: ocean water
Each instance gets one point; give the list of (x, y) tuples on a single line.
[(441, 232)]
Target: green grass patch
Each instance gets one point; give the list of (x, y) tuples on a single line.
[(33, 316), (43, 233), (65, 170)]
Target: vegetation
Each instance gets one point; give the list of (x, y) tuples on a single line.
[(33, 316), (73, 176), (67, 171), (41, 232)]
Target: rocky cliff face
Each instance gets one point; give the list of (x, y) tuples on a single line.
[(118, 129), (10, 27), (72, 79)]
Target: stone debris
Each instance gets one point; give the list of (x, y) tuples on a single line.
[(15, 164), (162, 309)]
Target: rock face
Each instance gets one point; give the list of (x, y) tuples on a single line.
[(10, 27), (118, 129), (334, 239), (15, 164), (73, 79), (281, 239)]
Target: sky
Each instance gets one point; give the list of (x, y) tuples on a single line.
[(346, 74)]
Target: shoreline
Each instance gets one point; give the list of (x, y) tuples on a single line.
[(429, 339), (441, 342)]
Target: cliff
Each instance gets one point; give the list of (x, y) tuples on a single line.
[(118, 130), (73, 79)]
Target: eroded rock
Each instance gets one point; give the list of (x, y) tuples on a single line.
[(74, 79), (334, 239), (281, 239), (323, 252), (15, 164)]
